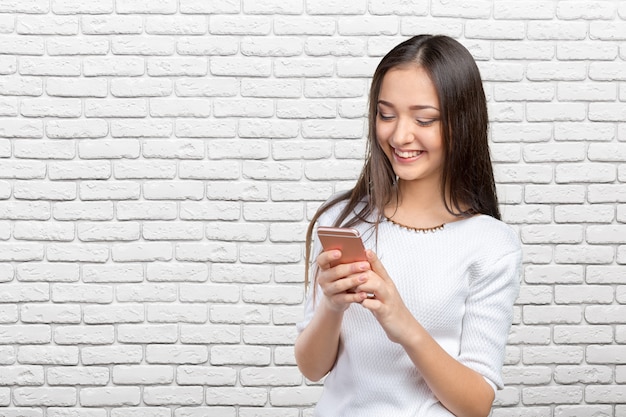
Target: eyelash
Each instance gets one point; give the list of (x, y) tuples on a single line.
[(422, 123)]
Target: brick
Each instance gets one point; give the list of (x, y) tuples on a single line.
[(237, 190), (559, 71), (606, 234), (104, 355), (598, 314), (609, 152), (269, 47), (109, 396), (292, 396), (210, 334), (48, 355), (203, 252), (606, 71), (142, 375), (19, 128), (113, 66), (77, 375), (538, 91), (516, 173), (151, 333), (146, 6), (133, 87), (113, 314), (76, 129), (261, 170), (142, 252), (83, 210), (43, 25), (206, 375), (606, 193), (37, 149), (586, 254), (93, 335), (545, 355), (190, 210), (188, 313), (592, 295), (605, 275), (276, 376), (513, 132), (112, 273), (589, 172), (69, 314), (248, 149), (539, 30), (615, 394), (160, 354), (562, 194), (567, 374), (161, 272), (527, 214), (22, 45), (534, 294), (191, 87), (108, 149), (171, 231), (240, 232), (552, 314), (22, 375), (611, 112), (111, 25), (552, 234), (239, 314), (240, 273), (592, 50), (302, 67), (483, 29), (398, 7), (48, 397), (552, 395), (146, 292), (199, 128), (21, 86), (309, 25), (173, 395), (586, 92), (176, 25), (272, 294), (607, 31), (261, 128)]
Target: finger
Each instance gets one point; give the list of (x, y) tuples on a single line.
[(376, 265), (325, 259)]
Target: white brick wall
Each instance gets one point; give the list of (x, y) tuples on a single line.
[(159, 161)]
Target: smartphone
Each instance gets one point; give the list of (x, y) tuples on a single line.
[(347, 240)]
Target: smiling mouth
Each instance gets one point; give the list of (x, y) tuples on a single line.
[(407, 154)]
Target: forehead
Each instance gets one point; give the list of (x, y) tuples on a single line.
[(408, 84)]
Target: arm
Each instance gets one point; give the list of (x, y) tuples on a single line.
[(317, 346), (460, 388)]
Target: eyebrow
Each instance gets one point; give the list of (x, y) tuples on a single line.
[(414, 107)]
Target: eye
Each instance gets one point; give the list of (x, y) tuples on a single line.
[(426, 122), (385, 117)]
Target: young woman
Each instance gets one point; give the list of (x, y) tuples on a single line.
[(420, 327)]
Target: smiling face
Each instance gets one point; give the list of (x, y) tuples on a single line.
[(408, 127)]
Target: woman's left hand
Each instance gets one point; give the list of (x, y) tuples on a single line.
[(386, 305)]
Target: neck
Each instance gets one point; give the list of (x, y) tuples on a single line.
[(419, 204)]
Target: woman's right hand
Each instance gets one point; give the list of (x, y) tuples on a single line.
[(338, 282)]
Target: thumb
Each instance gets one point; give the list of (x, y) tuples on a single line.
[(377, 265)]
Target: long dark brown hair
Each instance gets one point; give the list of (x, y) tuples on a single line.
[(467, 183)]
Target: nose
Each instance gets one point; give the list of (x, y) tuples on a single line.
[(403, 133)]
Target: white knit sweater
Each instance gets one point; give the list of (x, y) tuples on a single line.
[(460, 283)]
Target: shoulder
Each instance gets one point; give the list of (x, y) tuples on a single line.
[(334, 206), (489, 233)]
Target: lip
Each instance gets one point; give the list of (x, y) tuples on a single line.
[(407, 155)]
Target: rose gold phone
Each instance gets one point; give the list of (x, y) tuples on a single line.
[(347, 240)]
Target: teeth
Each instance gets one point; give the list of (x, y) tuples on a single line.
[(407, 154)]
